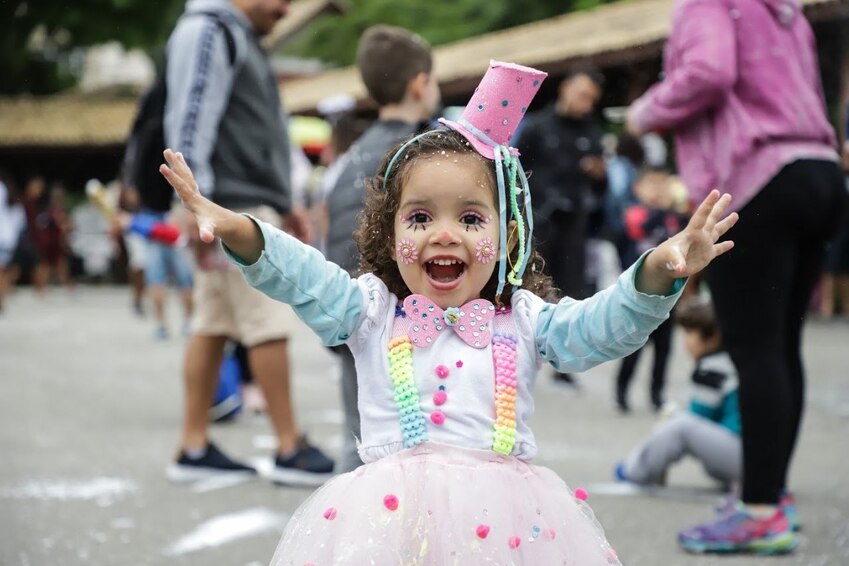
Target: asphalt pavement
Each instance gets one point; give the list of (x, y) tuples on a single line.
[(90, 411)]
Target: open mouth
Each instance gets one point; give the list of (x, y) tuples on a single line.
[(444, 270)]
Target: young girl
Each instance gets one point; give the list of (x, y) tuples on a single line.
[(447, 351)]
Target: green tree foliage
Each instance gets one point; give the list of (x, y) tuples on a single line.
[(334, 38), (39, 39)]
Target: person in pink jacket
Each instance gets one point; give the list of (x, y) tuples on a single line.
[(743, 93)]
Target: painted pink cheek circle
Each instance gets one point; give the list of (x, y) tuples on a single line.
[(390, 502), (482, 531), (439, 398), (442, 371), (514, 542), (330, 513), (581, 493), (438, 417)]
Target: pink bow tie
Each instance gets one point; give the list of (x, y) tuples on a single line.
[(470, 322)]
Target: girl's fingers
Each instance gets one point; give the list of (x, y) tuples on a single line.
[(718, 210), (723, 247), (726, 223), (701, 215)]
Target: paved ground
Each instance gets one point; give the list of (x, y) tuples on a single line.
[(90, 411)]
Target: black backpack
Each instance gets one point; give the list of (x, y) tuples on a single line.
[(146, 141)]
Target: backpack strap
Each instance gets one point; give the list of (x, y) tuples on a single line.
[(218, 18)]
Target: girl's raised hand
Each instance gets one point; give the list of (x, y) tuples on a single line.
[(207, 213), (692, 249)]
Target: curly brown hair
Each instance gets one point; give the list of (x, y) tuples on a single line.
[(375, 236)]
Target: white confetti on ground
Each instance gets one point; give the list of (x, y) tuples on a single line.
[(103, 489), (227, 528)]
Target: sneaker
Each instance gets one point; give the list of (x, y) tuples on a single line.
[(739, 532), (619, 473), (308, 466), (212, 464), (787, 504)]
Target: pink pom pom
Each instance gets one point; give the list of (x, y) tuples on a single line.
[(390, 502), (442, 371), (330, 513), (482, 531), (459, 363), (439, 398), (581, 494), (514, 542), (438, 417)]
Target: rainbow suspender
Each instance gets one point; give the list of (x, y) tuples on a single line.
[(408, 401)]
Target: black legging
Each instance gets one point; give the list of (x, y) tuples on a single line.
[(761, 290), (662, 340)]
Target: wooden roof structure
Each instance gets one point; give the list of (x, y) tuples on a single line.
[(300, 14), (609, 35), (66, 120), (614, 34)]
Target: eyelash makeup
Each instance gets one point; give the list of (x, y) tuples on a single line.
[(479, 223), (414, 224)]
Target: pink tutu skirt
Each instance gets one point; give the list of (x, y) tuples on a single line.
[(440, 505)]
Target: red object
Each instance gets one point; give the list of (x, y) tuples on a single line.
[(165, 233)]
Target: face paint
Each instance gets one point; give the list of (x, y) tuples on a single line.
[(406, 251), (485, 250)]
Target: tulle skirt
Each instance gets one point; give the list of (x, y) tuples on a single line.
[(439, 505)]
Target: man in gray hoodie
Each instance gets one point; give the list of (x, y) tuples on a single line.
[(223, 113)]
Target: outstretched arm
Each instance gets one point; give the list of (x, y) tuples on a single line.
[(238, 232), (689, 251)]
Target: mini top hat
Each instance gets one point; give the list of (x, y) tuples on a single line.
[(497, 106)]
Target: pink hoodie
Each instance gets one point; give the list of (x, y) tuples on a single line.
[(743, 92)]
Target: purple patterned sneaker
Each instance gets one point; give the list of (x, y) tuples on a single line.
[(738, 532), (787, 504)]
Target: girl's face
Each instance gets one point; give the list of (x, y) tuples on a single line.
[(446, 229)]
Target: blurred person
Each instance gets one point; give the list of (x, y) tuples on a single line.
[(652, 219), (136, 248), (561, 146), (743, 93), (49, 227), (225, 117), (834, 285), (396, 66), (623, 171), (168, 264), (12, 225), (710, 429)]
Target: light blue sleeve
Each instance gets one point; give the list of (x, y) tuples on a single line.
[(322, 294), (577, 335)]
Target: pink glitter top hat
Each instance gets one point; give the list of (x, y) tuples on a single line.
[(497, 106)]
